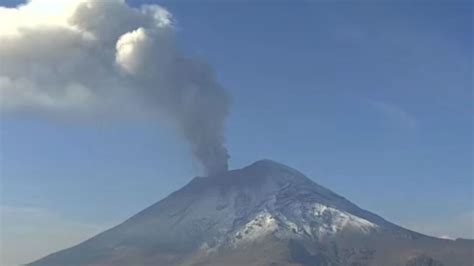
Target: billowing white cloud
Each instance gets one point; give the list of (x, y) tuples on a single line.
[(96, 58)]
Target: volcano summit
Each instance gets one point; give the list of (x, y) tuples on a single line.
[(264, 214)]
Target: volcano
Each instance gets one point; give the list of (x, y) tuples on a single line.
[(264, 214)]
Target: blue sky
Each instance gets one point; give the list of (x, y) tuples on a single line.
[(373, 101)]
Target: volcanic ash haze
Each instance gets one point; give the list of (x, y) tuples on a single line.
[(90, 58)]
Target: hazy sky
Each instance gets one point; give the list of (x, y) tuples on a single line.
[(373, 101)]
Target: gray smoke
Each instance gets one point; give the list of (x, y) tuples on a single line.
[(95, 58)]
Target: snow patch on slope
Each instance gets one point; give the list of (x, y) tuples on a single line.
[(262, 225), (314, 222), (339, 220)]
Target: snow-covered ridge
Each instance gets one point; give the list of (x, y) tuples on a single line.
[(309, 221), (268, 199)]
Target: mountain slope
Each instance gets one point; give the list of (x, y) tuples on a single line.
[(264, 214)]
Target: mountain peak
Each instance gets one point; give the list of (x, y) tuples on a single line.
[(264, 173), (266, 204), (260, 165), (274, 166), (267, 163)]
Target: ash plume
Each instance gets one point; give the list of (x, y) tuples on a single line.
[(94, 58)]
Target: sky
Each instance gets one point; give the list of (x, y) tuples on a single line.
[(372, 100)]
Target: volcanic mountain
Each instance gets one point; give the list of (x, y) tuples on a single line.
[(264, 214)]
